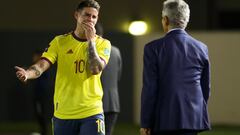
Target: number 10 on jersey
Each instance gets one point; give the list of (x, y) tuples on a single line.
[(79, 66)]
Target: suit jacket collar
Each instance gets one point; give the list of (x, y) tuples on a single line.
[(176, 31)]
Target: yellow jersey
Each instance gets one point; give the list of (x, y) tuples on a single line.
[(78, 93)]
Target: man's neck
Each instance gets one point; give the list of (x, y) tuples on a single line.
[(169, 29)]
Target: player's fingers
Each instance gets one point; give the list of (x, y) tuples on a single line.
[(86, 25), (20, 72), (22, 78), (86, 28), (21, 75), (19, 68), (89, 26)]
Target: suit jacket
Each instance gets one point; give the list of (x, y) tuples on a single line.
[(176, 83), (110, 78)]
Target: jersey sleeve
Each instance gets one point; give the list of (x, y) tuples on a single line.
[(51, 52), (104, 50)]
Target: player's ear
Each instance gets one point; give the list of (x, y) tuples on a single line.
[(76, 14)]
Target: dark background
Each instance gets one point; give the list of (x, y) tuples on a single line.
[(28, 25)]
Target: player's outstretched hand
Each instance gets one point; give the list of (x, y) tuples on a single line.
[(21, 74)]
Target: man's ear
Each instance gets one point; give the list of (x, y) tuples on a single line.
[(166, 20)]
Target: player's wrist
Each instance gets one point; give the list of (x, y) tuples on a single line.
[(26, 76), (92, 42)]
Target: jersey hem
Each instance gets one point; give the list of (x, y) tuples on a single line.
[(77, 117)]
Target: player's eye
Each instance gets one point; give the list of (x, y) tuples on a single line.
[(94, 17)]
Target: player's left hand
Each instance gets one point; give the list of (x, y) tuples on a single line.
[(90, 30)]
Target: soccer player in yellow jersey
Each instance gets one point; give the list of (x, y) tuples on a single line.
[(80, 56)]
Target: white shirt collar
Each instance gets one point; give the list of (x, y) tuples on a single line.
[(175, 29)]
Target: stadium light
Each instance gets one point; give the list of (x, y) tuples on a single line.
[(137, 28)]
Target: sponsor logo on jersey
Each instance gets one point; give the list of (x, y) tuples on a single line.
[(70, 51)]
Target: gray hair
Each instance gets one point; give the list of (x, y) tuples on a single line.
[(178, 13)]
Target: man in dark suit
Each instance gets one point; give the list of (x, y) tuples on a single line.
[(42, 101), (176, 78), (110, 78)]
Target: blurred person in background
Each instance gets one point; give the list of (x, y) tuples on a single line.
[(41, 90), (176, 78), (110, 78), (81, 56)]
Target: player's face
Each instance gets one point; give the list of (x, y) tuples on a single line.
[(87, 15)]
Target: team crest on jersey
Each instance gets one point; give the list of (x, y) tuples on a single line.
[(106, 51)]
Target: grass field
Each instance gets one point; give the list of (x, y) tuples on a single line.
[(121, 129)]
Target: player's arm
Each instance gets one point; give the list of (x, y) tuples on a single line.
[(33, 71), (95, 62)]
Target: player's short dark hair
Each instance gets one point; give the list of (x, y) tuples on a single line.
[(88, 3)]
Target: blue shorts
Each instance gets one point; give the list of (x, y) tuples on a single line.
[(93, 125)]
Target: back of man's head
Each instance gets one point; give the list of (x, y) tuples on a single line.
[(178, 13)]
